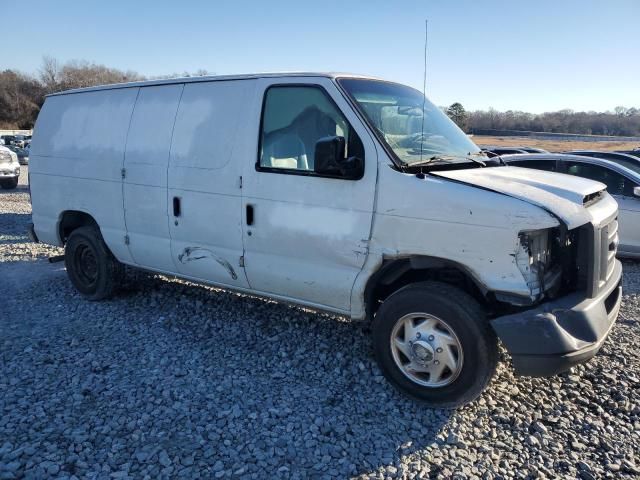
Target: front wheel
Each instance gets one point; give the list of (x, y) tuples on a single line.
[(433, 342)]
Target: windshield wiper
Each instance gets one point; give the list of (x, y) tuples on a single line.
[(445, 159), (477, 160)]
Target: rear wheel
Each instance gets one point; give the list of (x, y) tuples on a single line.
[(433, 343), (9, 183), (91, 267)]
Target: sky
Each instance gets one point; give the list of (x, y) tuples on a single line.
[(534, 56)]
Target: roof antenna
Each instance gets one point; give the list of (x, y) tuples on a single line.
[(424, 86)]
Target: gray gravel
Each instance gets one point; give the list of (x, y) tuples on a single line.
[(179, 381)]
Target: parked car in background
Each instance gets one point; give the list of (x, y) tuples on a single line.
[(20, 140), (493, 151), (533, 150), (626, 160), (9, 168), (622, 183), (7, 139), (22, 153), (634, 153)]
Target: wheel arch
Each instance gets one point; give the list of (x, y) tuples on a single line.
[(72, 219), (397, 273)]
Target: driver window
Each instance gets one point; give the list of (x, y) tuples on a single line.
[(293, 120)]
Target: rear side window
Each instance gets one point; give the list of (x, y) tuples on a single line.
[(547, 165), (294, 118), (616, 183)]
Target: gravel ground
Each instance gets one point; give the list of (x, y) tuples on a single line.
[(180, 381)]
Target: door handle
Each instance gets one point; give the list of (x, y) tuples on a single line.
[(249, 214), (176, 206)]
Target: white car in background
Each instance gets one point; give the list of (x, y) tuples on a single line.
[(622, 181), (9, 168)]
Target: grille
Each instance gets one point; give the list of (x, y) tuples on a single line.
[(609, 246), (596, 255)]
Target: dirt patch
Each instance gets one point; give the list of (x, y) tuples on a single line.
[(552, 145)]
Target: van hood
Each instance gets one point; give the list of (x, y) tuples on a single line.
[(562, 195)]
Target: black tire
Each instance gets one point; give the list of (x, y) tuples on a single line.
[(9, 183), (468, 321), (91, 266)]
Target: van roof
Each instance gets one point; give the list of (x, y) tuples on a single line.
[(209, 78)]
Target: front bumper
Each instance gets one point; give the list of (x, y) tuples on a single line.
[(559, 334)]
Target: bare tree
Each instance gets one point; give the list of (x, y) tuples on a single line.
[(20, 99), (78, 74), (620, 121), (50, 73)]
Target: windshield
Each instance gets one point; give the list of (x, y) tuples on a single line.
[(396, 112)]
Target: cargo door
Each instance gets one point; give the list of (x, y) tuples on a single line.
[(204, 196), (145, 176)]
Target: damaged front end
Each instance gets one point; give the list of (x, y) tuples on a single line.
[(538, 257), (546, 259), (575, 284)]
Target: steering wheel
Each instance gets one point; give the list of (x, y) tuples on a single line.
[(417, 140)]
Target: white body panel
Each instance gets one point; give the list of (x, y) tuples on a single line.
[(145, 184), (207, 154), (561, 194), (314, 241), (312, 231), (76, 162), (413, 219)]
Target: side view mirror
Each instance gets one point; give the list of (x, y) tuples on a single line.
[(636, 191), (330, 159)]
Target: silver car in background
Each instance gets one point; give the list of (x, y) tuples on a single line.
[(9, 169), (623, 183)]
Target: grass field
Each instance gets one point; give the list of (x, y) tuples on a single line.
[(552, 145)]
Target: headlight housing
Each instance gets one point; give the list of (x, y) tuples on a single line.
[(536, 260)]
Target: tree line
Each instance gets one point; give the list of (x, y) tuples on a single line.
[(22, 95), (621, 121)]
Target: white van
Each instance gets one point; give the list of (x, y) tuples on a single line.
[(341, 193)]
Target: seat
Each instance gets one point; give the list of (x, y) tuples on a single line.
[(284, 149), (311, 125)]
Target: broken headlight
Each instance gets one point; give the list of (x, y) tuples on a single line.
[(536, 260)]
